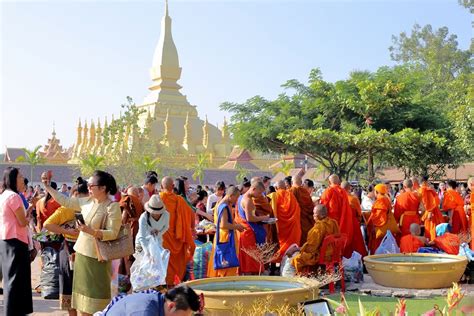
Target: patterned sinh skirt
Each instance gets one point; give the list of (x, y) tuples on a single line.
[(91, 284), (65, 275)]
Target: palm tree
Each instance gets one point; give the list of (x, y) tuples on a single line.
[(90, 163), (284, 168), (147, 163), (33, 158), (200, 166)]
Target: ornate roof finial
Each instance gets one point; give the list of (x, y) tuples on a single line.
[(54, 130), (166, 8)]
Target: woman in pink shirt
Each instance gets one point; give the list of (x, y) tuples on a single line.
[(14, 254)]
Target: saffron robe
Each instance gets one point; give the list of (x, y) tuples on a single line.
[(355, 206), (287, 211), (247, 240), (309, 252), (430, 201), (378, 222), (179, 237), (410, 243), (453, 201), (223, 237), (336, 201), (406, 210), (306, 206)]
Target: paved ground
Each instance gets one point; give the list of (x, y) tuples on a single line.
[(51, 307)]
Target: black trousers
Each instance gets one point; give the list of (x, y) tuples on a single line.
[(15, 259)]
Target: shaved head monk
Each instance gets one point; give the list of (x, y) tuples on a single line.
[(306, 206), (406, 208), (179, 237), (453, 203), (287, 211), (413, 241), (323, 227), (432, 215), (353, 200), (337, 202), (254, 232)]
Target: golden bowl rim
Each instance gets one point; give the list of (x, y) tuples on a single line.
[(250, 277), (372, 259)]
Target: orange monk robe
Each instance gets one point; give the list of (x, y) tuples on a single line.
[(378, 221), (454, 202), (410, 243), (432, 215), (309, 252), (179, 237), (406, 210), (287, 211), (336, 201), (471, 218), (223, 237), (357, 240), (306, 206), (263, 207)]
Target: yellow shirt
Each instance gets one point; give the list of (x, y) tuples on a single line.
[(60, 217), (93, 214)]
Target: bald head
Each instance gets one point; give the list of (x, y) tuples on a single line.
[(258, 185), (255, 179), (320, 212), (407, 184), (346, 186), (281, 184), (167, 184), (133, 191), (334, 179), (415, 180), (297, 181), (415, 229)]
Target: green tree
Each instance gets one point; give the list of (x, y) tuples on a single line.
[(33, 158), (147, 163), (285, 168), (90, 163), (241, 174), (202, 162)]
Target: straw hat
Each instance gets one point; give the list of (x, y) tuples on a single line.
[(155, 205)]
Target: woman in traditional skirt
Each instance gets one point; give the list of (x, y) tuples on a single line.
[(14, 254), (63, 222), (91, 283)]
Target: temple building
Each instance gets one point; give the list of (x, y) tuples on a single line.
[(167, 116)]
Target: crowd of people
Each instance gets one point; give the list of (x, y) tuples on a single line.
[(167, 213)]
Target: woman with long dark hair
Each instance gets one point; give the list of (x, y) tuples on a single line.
[(14, 253), (91, 283)]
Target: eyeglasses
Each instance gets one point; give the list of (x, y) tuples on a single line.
[(93, 185)]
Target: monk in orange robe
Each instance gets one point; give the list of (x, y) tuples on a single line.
[(357, 239), (413, 241), (337, 202), (432, 215), (323, 227), (306, 206), (179, 237), (471, 210), (287, 211), (381, 219), (454, 204), (254, 232), (406, 207)]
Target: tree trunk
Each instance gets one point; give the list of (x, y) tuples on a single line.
[(370, 166)]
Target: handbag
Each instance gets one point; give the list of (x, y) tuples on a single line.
[(118, 248), (225, 255)]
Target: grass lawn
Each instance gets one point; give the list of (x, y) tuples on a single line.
[(387, 305)]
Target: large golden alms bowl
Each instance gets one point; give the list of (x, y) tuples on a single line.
[(415, 270), (222, 294)]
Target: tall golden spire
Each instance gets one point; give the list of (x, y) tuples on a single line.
[(84, 145), (205, 133), (186, 132), (98, 139), (91, 138), (77, 146), (126, 139), (225, 131), (167, 123)]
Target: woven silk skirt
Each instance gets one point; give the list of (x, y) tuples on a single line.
[(91, 284), (65, 275)]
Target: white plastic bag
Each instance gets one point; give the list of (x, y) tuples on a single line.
[(149, 268), (388, 245), (353, 268)]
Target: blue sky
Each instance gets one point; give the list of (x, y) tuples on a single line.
[(61, 60)]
